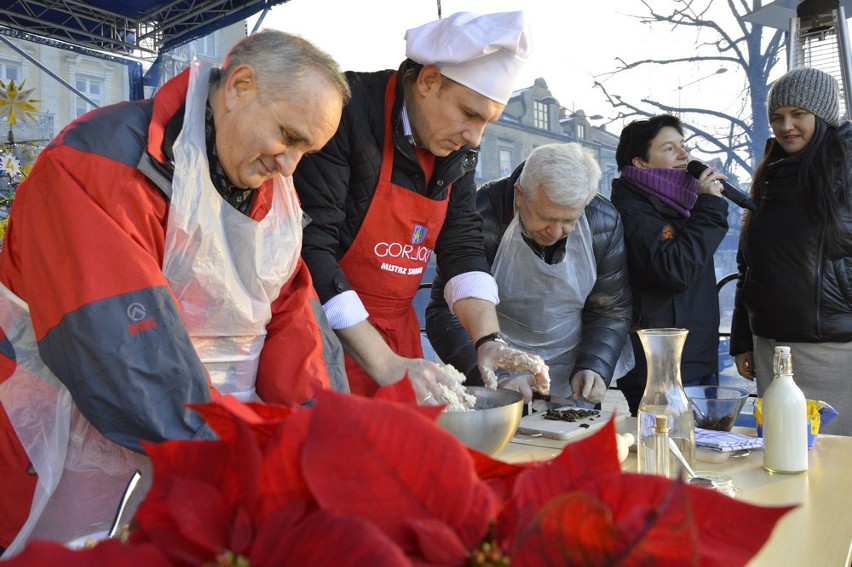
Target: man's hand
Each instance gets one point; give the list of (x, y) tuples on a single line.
[(494, 355), (364, 343), (588, 385), (745, 364), (523, 384), (425, 376)]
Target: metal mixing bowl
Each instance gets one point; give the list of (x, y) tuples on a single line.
[(491, 424)]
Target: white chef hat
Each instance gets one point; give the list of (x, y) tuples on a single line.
[(482, 52)]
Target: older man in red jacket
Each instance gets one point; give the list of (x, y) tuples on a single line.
[(151, 261)]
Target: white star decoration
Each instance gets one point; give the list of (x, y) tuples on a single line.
[(9, 164)]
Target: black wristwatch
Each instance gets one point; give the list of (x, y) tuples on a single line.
[(497, 337)]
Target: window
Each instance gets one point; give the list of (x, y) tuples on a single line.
[(207, 46), (581, 131), (505, 162), (541, 115), (92, 88), (10, 71)]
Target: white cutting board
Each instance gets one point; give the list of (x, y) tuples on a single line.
[(536, 425)]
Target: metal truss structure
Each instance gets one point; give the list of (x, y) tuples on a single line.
[(134, 28)]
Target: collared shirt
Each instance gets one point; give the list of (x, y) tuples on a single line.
[(406, 126), (552, 254)]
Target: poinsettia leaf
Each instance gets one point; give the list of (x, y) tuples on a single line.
[(499, 476), (387, 463), (438, 543), (241, 532), (198, 488), (654, 514), (727, 531), (223, 414), (668, 535), (578, 463), (156, 522), (110, 552), (199, 513), (578, 529), (346, 541), (571, 529), (731, 531), (281, 479), (488, 467), (402, 391), (399, 391), (232, 466)]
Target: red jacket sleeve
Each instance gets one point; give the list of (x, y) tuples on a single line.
[(301, 352), (84, 250)]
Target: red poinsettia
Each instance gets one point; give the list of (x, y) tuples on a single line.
[(358, 481)]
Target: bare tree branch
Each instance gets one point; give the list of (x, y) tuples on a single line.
[(737, 139)]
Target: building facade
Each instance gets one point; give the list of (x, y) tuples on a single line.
[(62, 80), (532, 118)]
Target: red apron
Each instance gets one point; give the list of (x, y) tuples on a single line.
[(386, 261)]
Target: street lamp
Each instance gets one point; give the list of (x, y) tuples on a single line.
[(680, 87), (581, 114), (578, 123)]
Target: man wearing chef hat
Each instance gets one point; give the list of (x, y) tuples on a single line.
[(395, 185)]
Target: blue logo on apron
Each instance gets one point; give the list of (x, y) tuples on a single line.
[(419, 234)]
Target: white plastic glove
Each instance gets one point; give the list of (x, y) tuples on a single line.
[(589, 386), (521, 383), (494, 355), (425, 376)]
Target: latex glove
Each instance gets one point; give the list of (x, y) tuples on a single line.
[(495, 355), (522, 384), (425, 376), (745, 364), (588, 385)]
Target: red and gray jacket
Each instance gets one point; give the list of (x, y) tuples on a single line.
[(85, 243)]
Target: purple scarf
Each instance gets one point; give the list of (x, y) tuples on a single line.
[(674, 187)]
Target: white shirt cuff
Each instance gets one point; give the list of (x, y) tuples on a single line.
[(478, 285), (345, 310)]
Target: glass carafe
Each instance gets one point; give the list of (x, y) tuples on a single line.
[(664, 397)]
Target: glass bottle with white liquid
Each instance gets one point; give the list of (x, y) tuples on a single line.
[(785, 420)]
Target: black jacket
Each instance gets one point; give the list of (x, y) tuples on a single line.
[(793, 288), (672, 273), (336, 187), (606, 314)]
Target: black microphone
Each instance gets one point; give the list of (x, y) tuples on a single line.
[(695, 168)]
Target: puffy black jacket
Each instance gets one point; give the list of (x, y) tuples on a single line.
[(793, 288), (672, 273), (336, 187), (606, 315)]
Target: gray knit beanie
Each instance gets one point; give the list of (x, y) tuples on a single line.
[(814, 90)]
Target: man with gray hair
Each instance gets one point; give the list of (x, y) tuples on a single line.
[(153, 261), (556, 250)]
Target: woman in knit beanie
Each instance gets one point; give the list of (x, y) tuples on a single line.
[(795, 255), (673, 224)]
